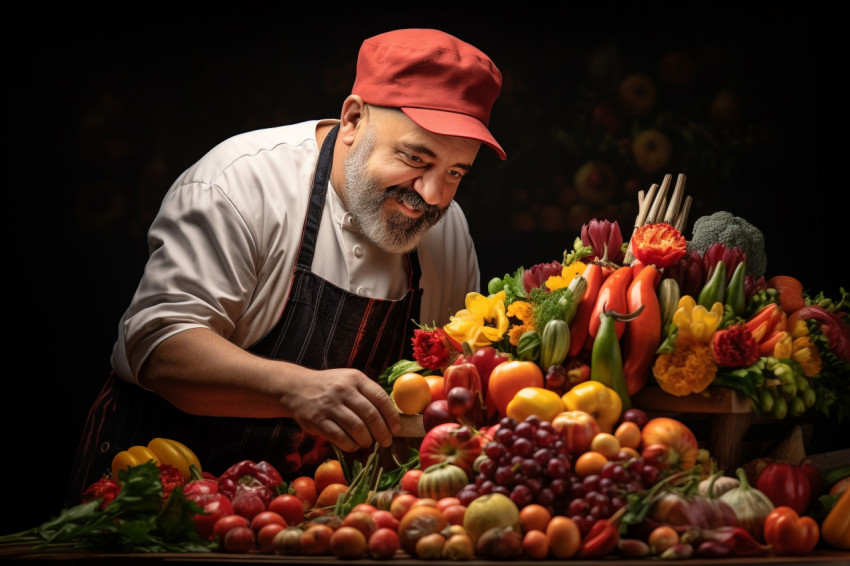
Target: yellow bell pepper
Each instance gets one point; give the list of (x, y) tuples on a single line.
[(161, 451), (597, 400), (544, 403), (835, 529)]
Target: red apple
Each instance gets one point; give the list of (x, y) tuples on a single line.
[(450, 442), (437, 413)]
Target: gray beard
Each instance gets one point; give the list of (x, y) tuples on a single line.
[(391, 231)]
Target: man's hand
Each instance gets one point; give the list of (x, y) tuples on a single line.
[(204, 374), (344, 406)]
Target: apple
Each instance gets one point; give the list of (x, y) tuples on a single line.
[(450, 442), (437, 413), (637, 94)]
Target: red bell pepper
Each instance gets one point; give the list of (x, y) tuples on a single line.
[(261, 477), (785, 484), (600, 540), (789, 533)]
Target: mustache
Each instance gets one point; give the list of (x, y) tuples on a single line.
[(412, 199)]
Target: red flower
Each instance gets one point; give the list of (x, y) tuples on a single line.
[(170, 478), (658, 244), (735, 347), (434, 349), (105, 488)]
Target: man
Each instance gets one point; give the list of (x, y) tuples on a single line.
[(287, 265)]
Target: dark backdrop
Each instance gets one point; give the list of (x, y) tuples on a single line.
[(103, 113)]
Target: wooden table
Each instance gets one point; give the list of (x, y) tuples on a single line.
[(819, 557)]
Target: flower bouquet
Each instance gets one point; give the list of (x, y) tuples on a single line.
[(656, 310)]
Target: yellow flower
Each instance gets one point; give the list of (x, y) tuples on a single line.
[(524, 311), (566, 277), (482, 322), (695, 321), (807, 355)]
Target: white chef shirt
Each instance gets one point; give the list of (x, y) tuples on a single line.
[(224, 243)]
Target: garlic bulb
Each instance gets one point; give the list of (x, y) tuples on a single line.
[(717, 485)]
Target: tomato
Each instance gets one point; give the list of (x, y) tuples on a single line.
[(679, 439), (289, 507), (790, 533), (239, 540), (410, 481), (215, 506), (265, 537), (508, 378), (383, 543), (262, 519), (227, 523)]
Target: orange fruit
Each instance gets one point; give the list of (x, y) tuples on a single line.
[(316, 540), (328, 472), (436, 383), (628, 433), (411, 393), (534, 517), (589, 463), (535, 545), (564, 537), (329, 495)]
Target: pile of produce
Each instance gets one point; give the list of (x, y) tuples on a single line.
[(533, 448)]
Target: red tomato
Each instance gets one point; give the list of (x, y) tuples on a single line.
[(227, 523), (265, 537), (215, 506), (239, 540), (789, 533), (288, 506), (410, 481), (508, 378), (262, 519)]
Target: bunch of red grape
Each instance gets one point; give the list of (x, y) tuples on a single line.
[(530, 462)]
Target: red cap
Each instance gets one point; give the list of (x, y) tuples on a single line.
[(445, 85)]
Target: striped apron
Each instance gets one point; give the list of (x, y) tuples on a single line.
[(322, 326)]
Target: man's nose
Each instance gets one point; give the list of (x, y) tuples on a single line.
[(430, 187)]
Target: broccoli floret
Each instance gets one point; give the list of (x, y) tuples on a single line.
[(733, 231)]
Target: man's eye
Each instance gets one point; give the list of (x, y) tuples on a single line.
[(414, 158)]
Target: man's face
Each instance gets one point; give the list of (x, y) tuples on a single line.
[(400, 180)]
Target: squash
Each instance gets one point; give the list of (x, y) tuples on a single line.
[(554, 344), (442, 480)]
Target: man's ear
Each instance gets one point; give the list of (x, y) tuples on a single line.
[(353, 113)]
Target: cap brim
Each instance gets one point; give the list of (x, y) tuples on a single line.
[(454, 124)]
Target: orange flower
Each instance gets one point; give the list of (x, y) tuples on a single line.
[(690, 368)]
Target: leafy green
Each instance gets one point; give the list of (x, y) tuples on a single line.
[(135, 521), (549, 305), (392, 478), (513, 287), (401, 367)]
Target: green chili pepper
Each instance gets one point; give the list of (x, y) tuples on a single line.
[(714, 289), (606, 359), (735, 293)]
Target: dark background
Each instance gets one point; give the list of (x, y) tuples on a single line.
[(102, 114)]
